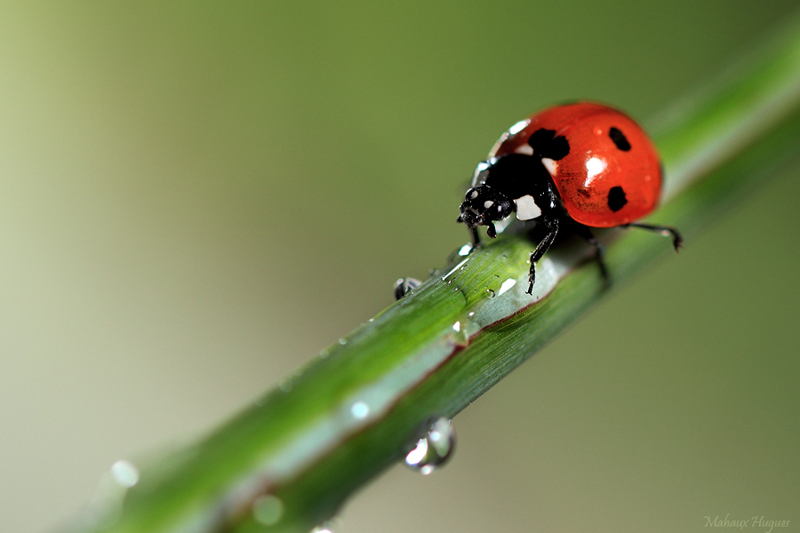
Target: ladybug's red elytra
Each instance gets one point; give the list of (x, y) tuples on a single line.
[(571, 168)]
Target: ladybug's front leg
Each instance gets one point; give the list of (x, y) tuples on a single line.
[(476, 239), (541, 249)]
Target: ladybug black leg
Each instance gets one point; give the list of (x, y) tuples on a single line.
[(476, 239), (677, 240), (541, 249), (599, 252)]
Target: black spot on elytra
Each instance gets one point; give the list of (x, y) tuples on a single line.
[(619, 139), (616, 198), (546, 144)]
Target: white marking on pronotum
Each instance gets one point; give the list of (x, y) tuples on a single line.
[(550, 165), (527, 208), (480, 173), (524, 149), (487, 204)]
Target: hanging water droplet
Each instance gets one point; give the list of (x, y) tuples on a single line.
[(285, 384), (342, 341), (491, 293), (267, 510), (434, 449), (465, 250)]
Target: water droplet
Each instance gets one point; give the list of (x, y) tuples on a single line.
[(331, 526), (125, 473), (507, 284), (471, 314), (491, 293), (359, 409), (465, 250), (434, 449), (403, 286), (342, 341), (457, 326), (267, 510)]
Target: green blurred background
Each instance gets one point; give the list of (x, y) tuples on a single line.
[(196, 198)]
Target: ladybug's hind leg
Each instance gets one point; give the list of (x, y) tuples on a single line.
[(666, 231), (599, 251)]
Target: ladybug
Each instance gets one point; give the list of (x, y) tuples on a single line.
[(570, 168)]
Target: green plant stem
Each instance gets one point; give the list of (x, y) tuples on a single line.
[(358, 407)]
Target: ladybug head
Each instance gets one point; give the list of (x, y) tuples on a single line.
[(483, 205)]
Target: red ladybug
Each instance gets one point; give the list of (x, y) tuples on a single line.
[(570, 168)]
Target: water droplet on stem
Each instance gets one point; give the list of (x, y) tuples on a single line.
[(267, 510), (434, 449), (331, 526), (404, 286), (359, 409)]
